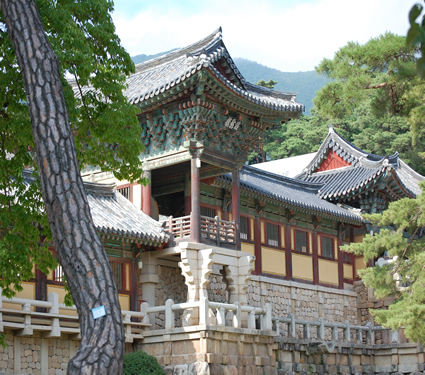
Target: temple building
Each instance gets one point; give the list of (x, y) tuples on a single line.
[(218, 263)]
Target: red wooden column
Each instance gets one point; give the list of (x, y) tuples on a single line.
[(236, 207), (147, 193), (187, 196), (288, 250), (195, 225), (315, 258), (257, 239)]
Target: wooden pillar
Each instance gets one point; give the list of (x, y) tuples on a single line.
[(257, 249), (236, 207), (187, 196), (195, 225), (288, 251), (315, 259), (340, 265), (40, 288), (147, 193), (133, 284)]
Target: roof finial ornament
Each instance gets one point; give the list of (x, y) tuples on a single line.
[(331, 128)]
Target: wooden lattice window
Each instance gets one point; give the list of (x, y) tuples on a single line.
[(327, 247), (125, 191), (118, 271), (272, 234), (58, 274), (301, 241), (244, 228), (207, 211)]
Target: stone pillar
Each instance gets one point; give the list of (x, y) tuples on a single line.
[(147, 193), (236, 207), (196, 266), (238, 277), (148, 280), (195, 165)]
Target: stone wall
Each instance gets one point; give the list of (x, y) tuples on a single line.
[(294, 357), (35, 355), (308, 302)]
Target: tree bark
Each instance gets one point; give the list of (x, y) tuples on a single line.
[(78, 247)]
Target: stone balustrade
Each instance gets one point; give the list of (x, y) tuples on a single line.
[(50, 320)]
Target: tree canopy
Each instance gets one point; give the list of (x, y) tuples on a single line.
[(373, 97), (416, 35), (104, 125), (401, 241)]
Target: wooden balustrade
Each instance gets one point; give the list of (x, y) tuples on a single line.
[(213, 230)]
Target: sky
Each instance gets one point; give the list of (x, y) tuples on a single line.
[(287, 35)]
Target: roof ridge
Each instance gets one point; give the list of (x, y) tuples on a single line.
[(311, 186), (184, 51)]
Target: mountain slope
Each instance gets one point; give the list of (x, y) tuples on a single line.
[(304, 84)]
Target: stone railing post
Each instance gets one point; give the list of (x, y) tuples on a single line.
[(237, 316), (347, 331), (251, 319), (292, 326), (276, 326), (127, 328), (53, 298), (221, 316), (203, 311), (169, 315), (28, 329), (266, 319), (335, 335), (321, 329), (307, 331), (144, 309), (370, 335), (359, 335)]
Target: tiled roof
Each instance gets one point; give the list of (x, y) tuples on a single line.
[(365, 170), (115, 216), (295, 194), (157, 76)]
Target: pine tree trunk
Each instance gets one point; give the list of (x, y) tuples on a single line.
[(78, 247)]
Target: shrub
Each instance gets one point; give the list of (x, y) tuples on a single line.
[(140, 363)]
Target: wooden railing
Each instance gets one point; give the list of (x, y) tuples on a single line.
[(178, 227), (24, 320), (220, 232)]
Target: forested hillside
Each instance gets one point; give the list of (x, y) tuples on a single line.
[(304, 84)]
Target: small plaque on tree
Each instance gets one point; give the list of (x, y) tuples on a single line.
[(98, 312)]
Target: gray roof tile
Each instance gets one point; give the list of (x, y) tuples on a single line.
[(115, 215), (364, 168), (298, 194)]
